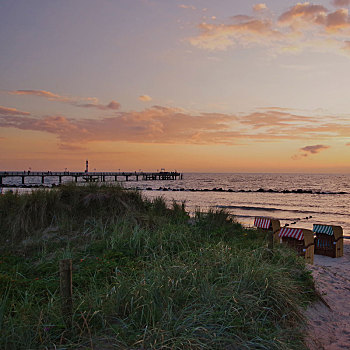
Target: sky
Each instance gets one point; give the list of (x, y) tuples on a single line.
[(186, 85)]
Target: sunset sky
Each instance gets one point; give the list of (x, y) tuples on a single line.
[(198, 85)]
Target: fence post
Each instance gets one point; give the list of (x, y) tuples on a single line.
[(66, 291)]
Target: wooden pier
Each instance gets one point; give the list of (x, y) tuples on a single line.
[(87, 176)]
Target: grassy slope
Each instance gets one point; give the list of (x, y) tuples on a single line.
[(144, 276)]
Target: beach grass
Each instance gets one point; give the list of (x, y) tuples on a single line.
[(145, 276)]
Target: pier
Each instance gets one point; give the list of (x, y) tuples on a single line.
[(87, 176)]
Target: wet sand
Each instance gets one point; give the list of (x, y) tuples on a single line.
[(329, 322)]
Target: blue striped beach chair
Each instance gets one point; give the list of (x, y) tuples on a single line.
[(300, 240), (329, 240)]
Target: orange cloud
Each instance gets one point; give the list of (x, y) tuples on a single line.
[(338, 20), (303, 11), (175, 126), (145, 98), (156, 124), (304, 26), (222, 36), (11, 111), (259, 7), (273, 117), (307, 15), (341, 3)]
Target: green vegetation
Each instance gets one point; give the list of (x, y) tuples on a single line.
[(145, 276)]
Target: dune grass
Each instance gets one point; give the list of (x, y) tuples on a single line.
[(145, 276)]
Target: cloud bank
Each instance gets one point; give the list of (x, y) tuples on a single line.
[(167, 125), (302, 26)]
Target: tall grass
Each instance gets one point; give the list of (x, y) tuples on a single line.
[(145, 276)]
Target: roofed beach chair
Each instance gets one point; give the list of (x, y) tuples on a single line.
[(268, 224), (329, 240), (299, 239)]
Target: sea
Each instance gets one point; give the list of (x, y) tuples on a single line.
[(298, 200)]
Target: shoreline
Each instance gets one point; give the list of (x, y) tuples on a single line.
[(329, 322)]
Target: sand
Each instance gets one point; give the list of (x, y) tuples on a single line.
[(329, 322)]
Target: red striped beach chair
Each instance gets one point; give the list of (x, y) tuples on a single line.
[(329, 240), (299, 239), (268, 224)]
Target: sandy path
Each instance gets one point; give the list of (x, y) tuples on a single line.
[(330, 326)]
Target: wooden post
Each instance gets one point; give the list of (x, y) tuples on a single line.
[(270, 240), (66, 291)]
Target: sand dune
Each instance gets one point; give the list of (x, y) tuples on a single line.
[(329, 322)]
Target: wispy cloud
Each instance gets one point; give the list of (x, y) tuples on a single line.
[(50, 96), (114, 105), (145, 98), (70, 147), (90, 102), (308, 150), (4, 111), (191, 7), (304, 26)]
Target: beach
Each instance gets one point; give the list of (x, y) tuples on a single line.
[(329, 321)]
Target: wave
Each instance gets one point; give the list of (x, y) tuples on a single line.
[(249, 208), (269, 209), (279, 218)]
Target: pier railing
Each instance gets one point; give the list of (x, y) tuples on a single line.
[(92, 176)]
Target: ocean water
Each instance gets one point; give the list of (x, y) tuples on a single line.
[(299, 200)]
